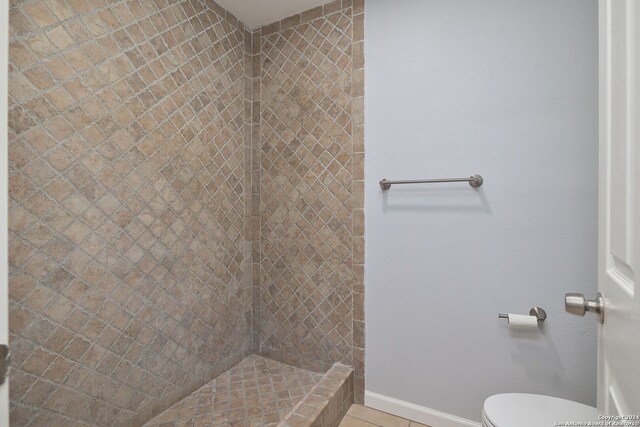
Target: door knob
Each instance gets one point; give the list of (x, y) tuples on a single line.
[(578, 304)]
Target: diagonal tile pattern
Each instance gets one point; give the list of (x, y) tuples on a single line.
[(127, 206), (258, 392), (182, 191), (306, 195)]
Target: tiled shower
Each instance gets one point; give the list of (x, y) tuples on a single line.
[(186, 214)]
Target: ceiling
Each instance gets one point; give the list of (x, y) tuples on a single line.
[(256, 13)]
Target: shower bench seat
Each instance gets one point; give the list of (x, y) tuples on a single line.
[(260, 392)]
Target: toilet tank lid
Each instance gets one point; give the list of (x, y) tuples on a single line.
[(534, 410)]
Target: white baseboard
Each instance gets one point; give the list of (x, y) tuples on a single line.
[(414, 412)]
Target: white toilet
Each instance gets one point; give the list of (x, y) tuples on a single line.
[(533, 410)]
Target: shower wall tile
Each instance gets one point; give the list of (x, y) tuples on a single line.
[(130, 205), (183, 191), (310, 186), (357, 92), (248, 186), (255, 188)]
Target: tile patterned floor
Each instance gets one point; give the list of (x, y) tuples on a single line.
[(361, 416), (257, 392)]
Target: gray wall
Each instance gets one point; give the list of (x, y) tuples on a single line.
[(506, 89)]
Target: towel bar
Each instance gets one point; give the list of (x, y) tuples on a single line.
[(475, 181)]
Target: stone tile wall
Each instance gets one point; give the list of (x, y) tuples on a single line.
[(255, 187), (311, 192), (183, 191), (357, 91), (128, 206)]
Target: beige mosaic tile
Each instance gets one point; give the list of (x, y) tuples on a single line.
[(128, 264), (357, 92), (306, 195), (326, 403), (258, 392), (182, 191)]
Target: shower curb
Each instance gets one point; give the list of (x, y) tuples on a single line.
[(326, 403)]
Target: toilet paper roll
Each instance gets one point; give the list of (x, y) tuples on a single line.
[(522, 321)]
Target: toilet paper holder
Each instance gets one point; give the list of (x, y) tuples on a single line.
[(538, 312)]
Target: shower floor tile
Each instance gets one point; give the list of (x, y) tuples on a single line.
[(257, 392)]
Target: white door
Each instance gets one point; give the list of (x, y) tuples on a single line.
[(4, 277), (619, 211)]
